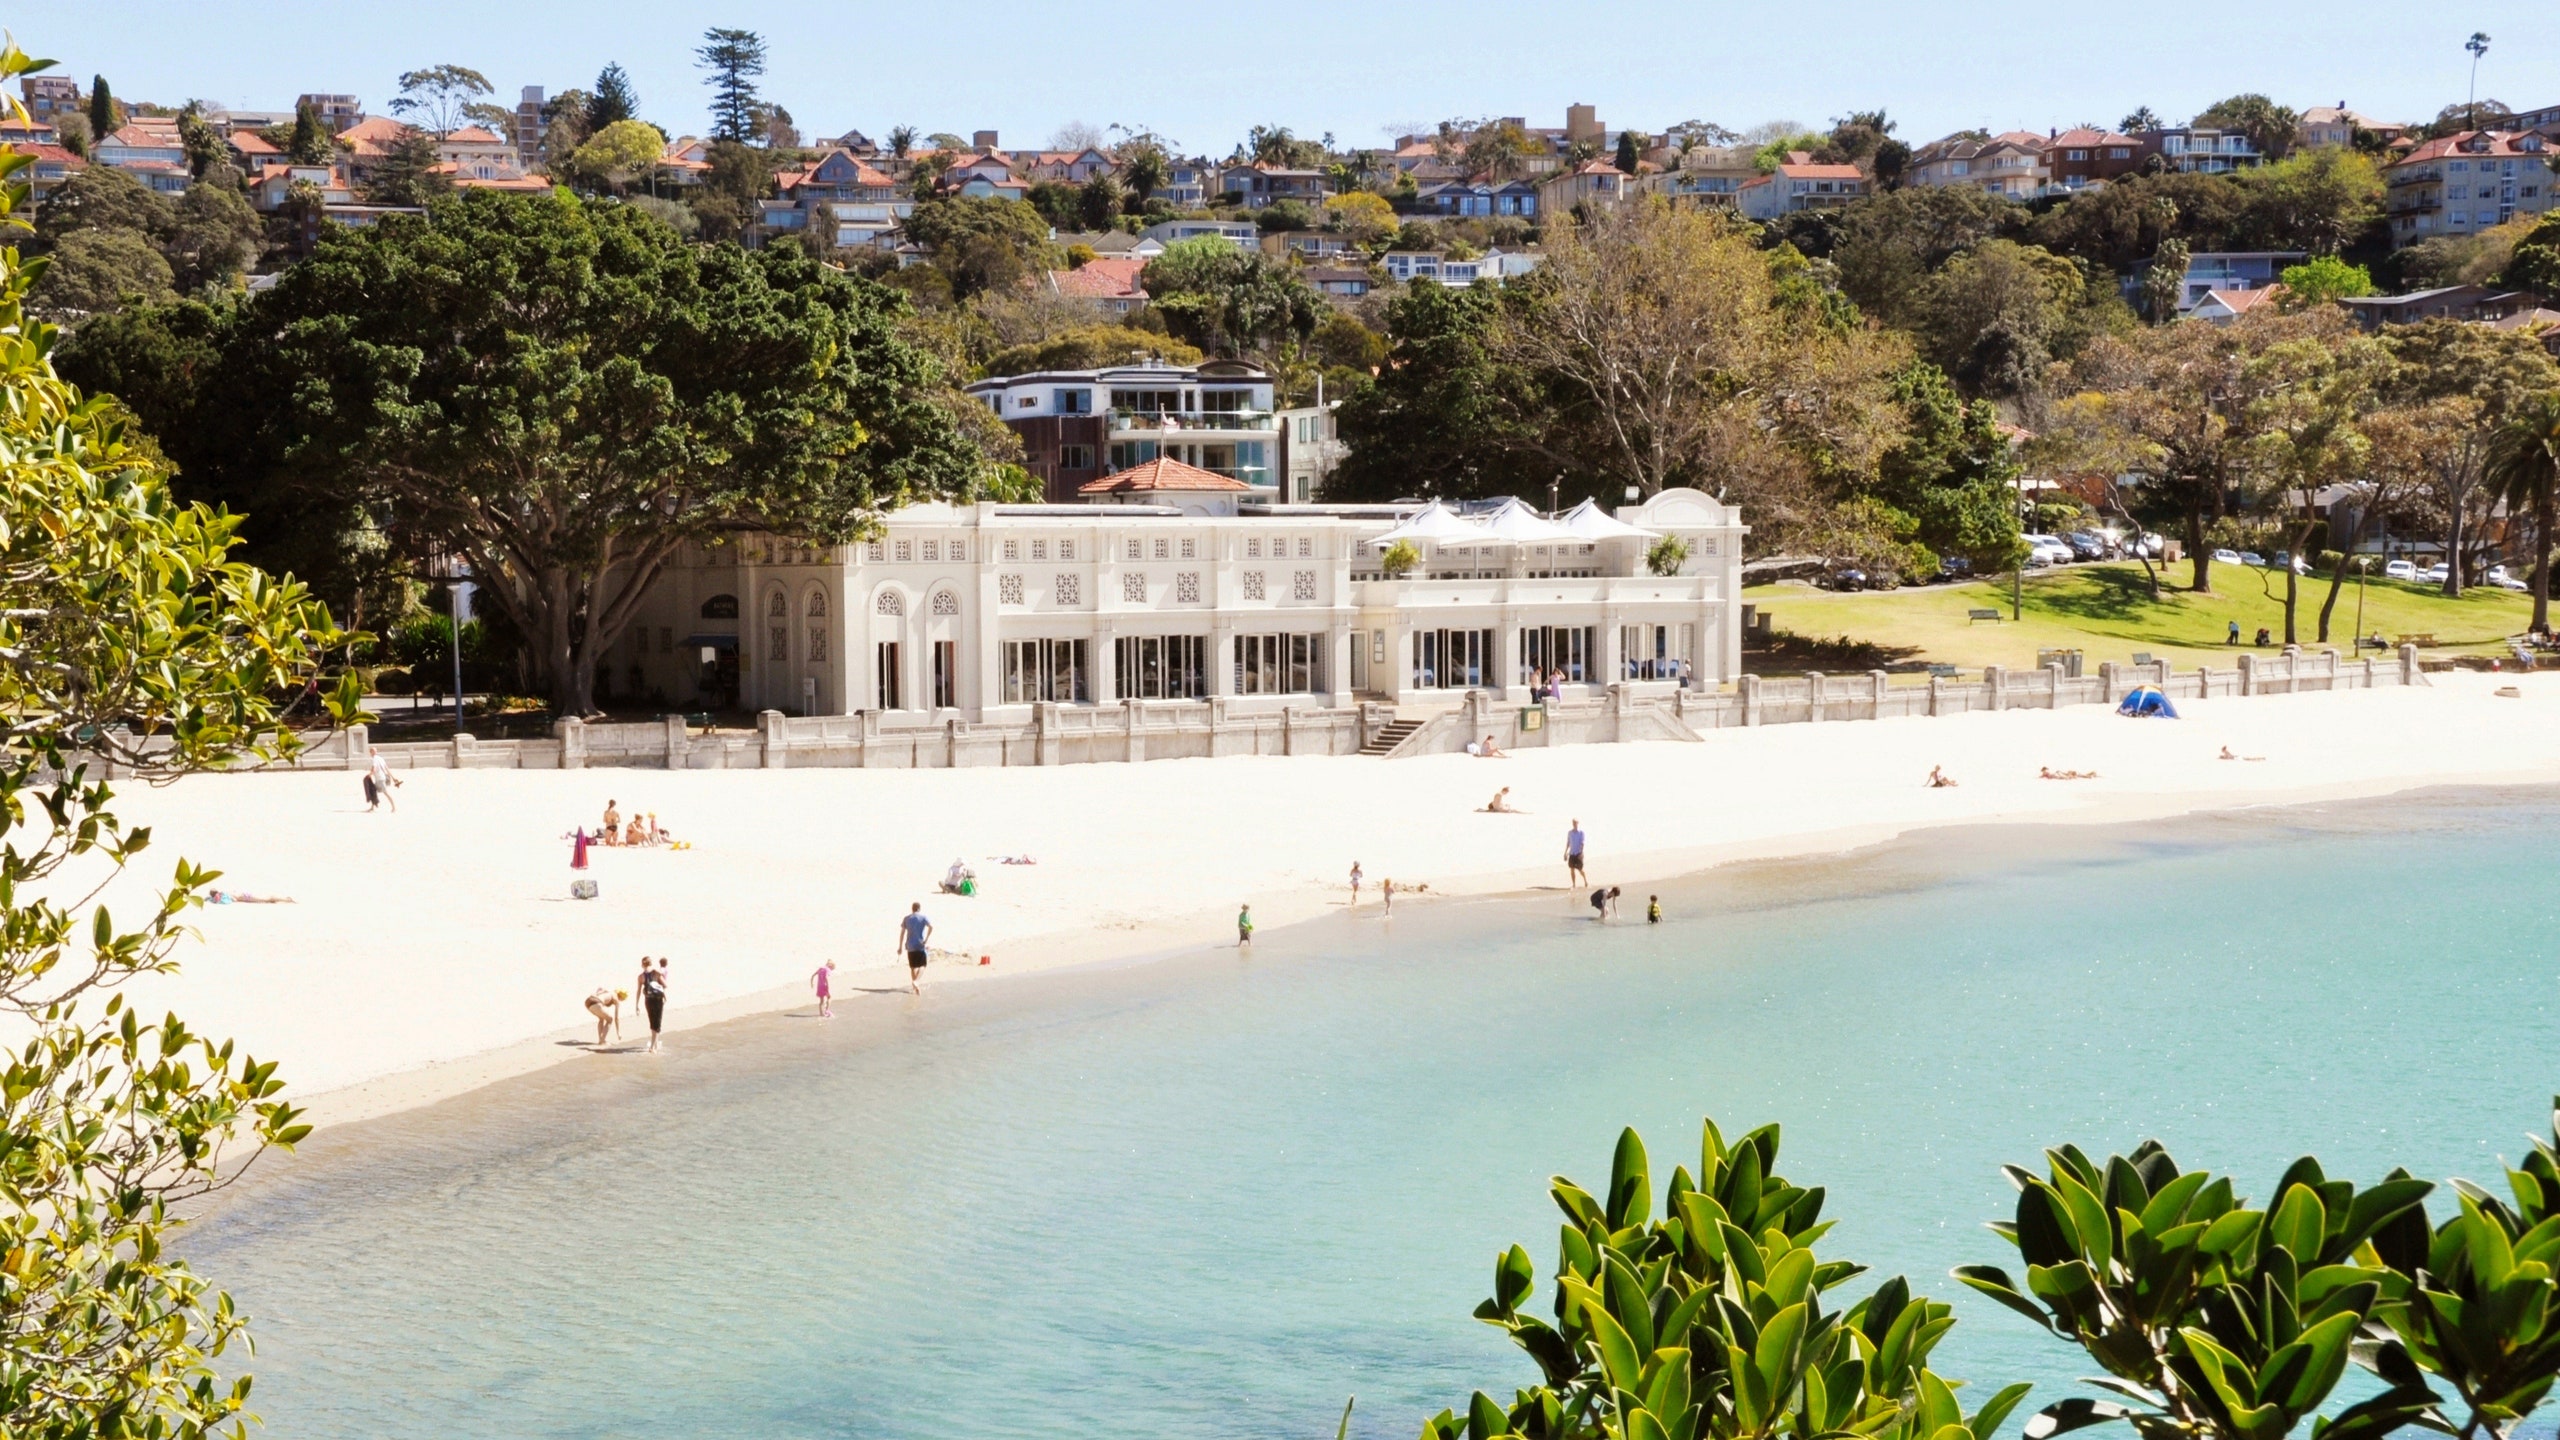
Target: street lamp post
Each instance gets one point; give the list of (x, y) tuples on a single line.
[(457, 652)]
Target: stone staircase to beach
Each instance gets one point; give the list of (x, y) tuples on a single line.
[(1389, 736)]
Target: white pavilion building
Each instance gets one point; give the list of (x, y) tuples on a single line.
[(1175, 586)]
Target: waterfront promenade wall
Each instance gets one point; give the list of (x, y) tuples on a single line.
[(1166, 730)]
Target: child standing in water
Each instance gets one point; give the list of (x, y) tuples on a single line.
[(1653, 909), (1244, 927)]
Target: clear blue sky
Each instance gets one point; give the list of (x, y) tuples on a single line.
[(1203, 73)]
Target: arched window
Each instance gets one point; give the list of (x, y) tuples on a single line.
[(776, 607), (945, 603), (720, 607), (818, 605), (891, 603)]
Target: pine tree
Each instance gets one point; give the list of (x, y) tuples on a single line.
[(1627, 157), (734, 58), (103, 119), (613, 100), (310, 144)]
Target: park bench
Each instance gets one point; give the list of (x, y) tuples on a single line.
[(2141, 657), (1942, 672), (2425, 639), (1971, 615)]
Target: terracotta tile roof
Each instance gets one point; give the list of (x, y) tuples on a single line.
[(1159, 474), (53, 153), (504, 182), (2241, 302), (2085, 138), (2500, 143), (373, 135), (250, 143), (1102, 278), (473, 135)]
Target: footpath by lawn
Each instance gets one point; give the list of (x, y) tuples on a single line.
[(2106, 611)]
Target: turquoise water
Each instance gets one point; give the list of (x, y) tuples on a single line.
[(1214, 1197)]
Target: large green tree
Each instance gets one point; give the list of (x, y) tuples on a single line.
[(407, 173), (2270, 126), (440, 98), (733, 59), (983, 243), (564, 393), (614, 100), (1227, 300), (129, 634), (1445, 416), (2524, 470)]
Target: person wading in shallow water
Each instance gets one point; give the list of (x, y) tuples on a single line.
[(913, 932), (653, 997)]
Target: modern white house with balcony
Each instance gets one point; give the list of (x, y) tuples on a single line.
[(980, 613)]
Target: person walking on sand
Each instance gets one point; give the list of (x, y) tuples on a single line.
[(1355, 884), (1387, 892), (1573, 871), (578, 849), (606, 1005), (653, 997), (1244, 927), (913, 932), (1653, 909), (826, 992), (378, 783)]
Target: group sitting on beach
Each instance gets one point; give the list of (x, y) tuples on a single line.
[(639, 830), (2049, 773)]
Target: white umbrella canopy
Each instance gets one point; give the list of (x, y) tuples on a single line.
[(1587, 521), (1434, 522), (1517, 524)]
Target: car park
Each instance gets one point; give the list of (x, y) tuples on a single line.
[(2047, 550)]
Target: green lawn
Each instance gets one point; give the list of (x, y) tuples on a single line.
[(2106, 611)]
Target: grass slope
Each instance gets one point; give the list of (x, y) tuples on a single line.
[(2107, 611)]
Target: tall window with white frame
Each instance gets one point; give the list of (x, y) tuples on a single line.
[(1160, 667), (1036, 670), (1456, 659), (1279, 664)]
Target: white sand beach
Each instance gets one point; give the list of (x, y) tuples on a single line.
[(437, 949)]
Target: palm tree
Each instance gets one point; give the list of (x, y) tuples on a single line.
[(2524, 469)]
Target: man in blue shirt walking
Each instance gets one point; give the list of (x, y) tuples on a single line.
[(913, 932)]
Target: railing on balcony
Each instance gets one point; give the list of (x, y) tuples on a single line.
[(1193, 420)]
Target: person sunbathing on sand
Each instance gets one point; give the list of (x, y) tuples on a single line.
[(2227, 755), (243, 897), (1938, 779), (1500, 804), (1022, 859), (2049, 773)]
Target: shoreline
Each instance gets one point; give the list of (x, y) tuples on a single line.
[(456, 1007)]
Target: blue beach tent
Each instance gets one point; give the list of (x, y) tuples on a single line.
[(2147, 700)]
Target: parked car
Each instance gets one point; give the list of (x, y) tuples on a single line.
[(1847, 577), (2226, 557), (2435, 573), (2400, 570), (2498, 578), (2252, 557), (2149, 546), (1952, 568), (2047, 550), (2085, 546)]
